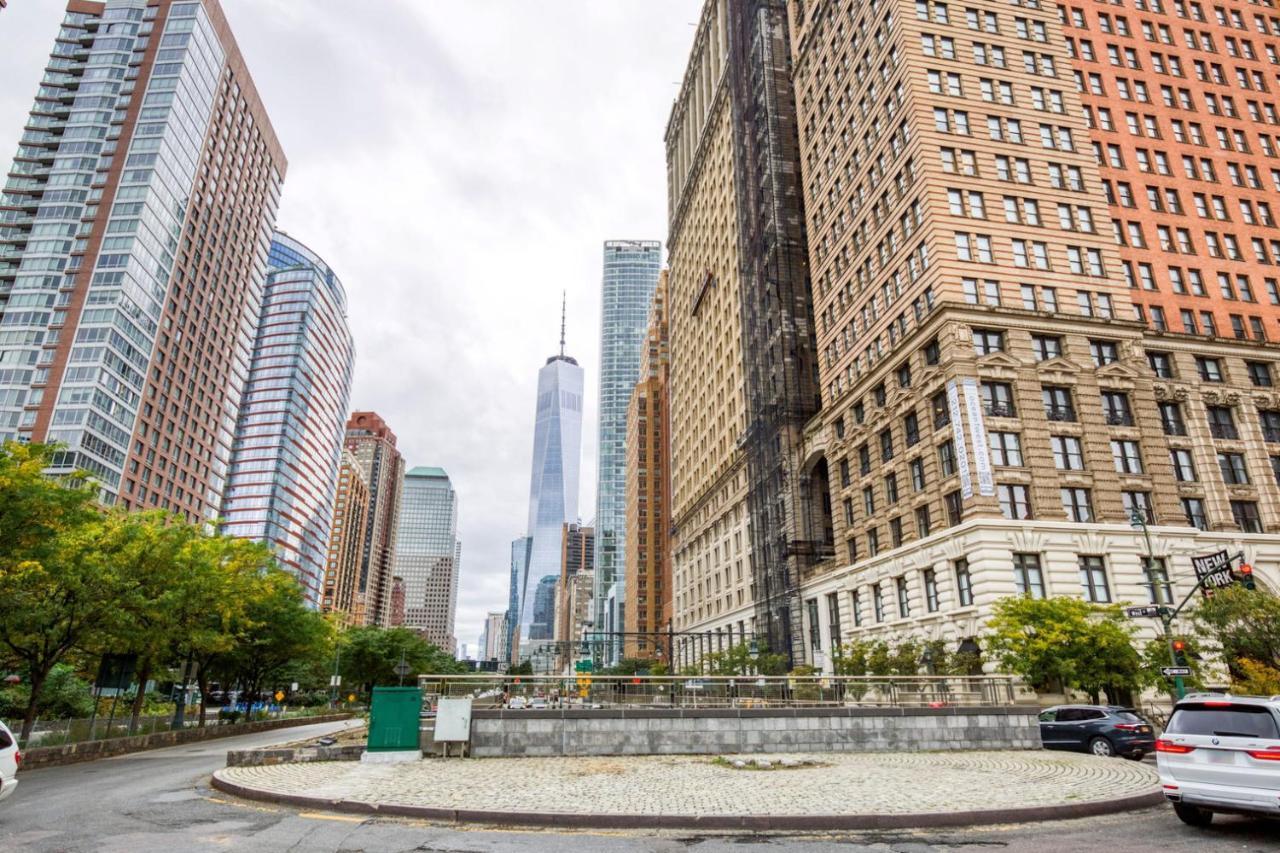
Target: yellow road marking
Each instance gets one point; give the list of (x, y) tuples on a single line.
[(320, 816)]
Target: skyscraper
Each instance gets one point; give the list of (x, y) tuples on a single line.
[(373, 444), (289, 433), (428, 554), (553, 487), (630, 274), (132, 256), (346, 540), (648, 491)]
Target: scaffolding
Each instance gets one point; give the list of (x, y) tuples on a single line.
[(779, 349)]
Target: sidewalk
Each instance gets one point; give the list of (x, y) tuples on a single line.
[(842, 791)]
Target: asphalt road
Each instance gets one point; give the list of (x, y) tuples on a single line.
[(161, 801)]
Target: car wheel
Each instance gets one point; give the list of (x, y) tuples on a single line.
[(1102, 747), (1193, 816)]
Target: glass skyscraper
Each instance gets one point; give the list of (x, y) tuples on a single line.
[(631, 269), (134, 228), (428, 554), (292, 419), (553, 486)]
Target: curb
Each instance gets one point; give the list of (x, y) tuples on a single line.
[(759, 823)]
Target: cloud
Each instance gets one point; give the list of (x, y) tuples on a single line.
[(459, 165)]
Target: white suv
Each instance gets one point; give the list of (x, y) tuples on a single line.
[(1221, 753), (10, 758)]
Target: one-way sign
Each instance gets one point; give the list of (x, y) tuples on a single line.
[(1173, 671), (1150, 610)]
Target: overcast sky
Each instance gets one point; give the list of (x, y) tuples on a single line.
[(458, 164)]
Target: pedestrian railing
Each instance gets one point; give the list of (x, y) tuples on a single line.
[(648, 691), (60, 732)]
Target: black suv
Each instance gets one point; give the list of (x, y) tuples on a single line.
[(1104, 730)]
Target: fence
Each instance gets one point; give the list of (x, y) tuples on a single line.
[(59, 732), (593, 691)]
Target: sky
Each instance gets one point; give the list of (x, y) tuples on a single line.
[(459, 165)]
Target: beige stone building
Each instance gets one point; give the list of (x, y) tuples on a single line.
[(346, 540), (995, 410)]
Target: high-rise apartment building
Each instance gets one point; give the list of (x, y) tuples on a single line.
[(1012, 386), (631, 270), (346, 540), (428, 554), (746, 506), (574, 591), (289, 433), (373, 444), (134, 231), (553, 491), (648, 477), (493, 636)]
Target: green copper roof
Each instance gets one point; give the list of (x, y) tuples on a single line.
[(426, 471)]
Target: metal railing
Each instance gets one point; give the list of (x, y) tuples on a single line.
[(722, 691), (79, 730)]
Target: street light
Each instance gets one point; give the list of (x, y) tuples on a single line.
[(1137, 522)]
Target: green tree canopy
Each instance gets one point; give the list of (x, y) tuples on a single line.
[(369, 657), (1242, 627)]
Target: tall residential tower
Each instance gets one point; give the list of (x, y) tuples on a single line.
[(373, 445), (134, 231)]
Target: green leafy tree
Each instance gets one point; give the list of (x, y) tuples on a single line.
[(370, 655), (1065, 642), (65, 694), (737, 660), (1240, 624)]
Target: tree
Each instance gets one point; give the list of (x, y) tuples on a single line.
[(1065, 642), (1241, 624), (737, 660), (370, 655)]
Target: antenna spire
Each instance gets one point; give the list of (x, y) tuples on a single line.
[(563, 302)]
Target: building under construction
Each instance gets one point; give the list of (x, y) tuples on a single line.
[(748, 515)]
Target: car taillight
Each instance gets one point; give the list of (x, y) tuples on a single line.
[(1271, 753), (17, 758), (1216, 704), (1127, 727), (1163, 745)]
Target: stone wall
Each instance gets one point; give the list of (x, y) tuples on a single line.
[(726, 731), (71, 753)]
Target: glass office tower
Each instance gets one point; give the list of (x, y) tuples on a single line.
[(553, 486), (292, 419), (428, 554), (631, 270), (133, 254)]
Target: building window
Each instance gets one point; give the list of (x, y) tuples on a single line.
[(845, 477), (1139, 503), (1161, 592), (1077, 504), (1209, 368), (917, 474), (987, 341), (1115, 408), (1245, 514), (964, 583), (891, 489), (1093, 580), (1046, 347), (815, 630), (955, 508), (930, 581), (873, 541), (1259, 373), (1222, 423), (855, 604), (1067, 453), (877, 602), (911, 427), (947, 458), (1006, 449), (1104, 352), (1027, 576), (1184, 467), (895, 531), (932, 353), (1161, 364), (997, 399), (904, 600), (1057, 403), (1126, 456), (1233, 470), (1015, 501), (1269, 420), (869, 501), (1194, 510), (833, 619), (1171, 419), (923, 522), (886, 445)]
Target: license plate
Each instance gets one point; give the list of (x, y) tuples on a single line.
[(1146, 730)]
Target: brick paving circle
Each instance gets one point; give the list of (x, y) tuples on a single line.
[(842, 784)]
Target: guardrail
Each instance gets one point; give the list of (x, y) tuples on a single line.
[(614, 691), (80, 730)]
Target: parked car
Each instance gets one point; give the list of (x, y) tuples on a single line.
[(10, 761), (1221, 753), (1104, 730), (517, 703)]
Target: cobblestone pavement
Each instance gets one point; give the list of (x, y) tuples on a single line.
[(695, 785)]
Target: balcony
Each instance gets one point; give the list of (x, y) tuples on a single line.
[(941, 419), (1271, 433), (1224, 431), (1060, 413), (1118, 418), (1174, 428), (1001, 410)]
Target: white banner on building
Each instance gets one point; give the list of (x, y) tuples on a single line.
[(978, 432), (957, 433)]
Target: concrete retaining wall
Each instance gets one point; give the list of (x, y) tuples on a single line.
[(726, 731), (71, 753), (291, 755)]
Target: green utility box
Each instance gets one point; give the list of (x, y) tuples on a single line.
[(393, 719)]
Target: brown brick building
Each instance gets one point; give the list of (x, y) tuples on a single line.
[(346, 540), (373, 444)]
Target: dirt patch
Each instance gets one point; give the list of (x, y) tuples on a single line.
[(346, 737)]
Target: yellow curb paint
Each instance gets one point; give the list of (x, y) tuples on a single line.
[(338, 817)]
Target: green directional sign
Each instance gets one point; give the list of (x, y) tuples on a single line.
[(583, 666)]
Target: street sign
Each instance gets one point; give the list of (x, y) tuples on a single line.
[(1175, 671), (584, 665), (403, 669), (1151, 610), (279, 695), (335, 681), (1213, 571)]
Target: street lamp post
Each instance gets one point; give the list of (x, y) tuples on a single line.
[(1166, 620)]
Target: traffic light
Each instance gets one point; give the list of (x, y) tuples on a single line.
[(1246, 576), (1180, 652)]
